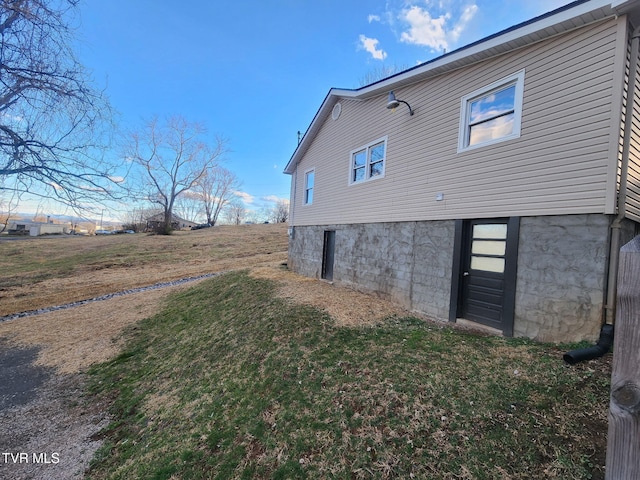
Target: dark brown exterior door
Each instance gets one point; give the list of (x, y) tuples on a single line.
[(328, 254), (483, 276), (488, 250)]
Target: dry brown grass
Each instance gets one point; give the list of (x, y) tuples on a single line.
[(73, 339), (346, 306), (42, 272)]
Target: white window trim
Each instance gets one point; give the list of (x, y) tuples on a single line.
[(367, 164), (516, 79), (304, 192)]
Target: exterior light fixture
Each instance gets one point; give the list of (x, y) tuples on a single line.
[(393, 103)]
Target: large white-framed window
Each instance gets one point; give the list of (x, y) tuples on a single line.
[(368, 162), (309, 182), (491, 114)]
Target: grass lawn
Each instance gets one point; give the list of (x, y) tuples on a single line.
[(230, 381), (40, 272)]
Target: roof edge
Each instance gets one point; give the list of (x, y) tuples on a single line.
[(579, 10)]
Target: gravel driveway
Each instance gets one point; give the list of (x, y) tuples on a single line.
[(45, 425), (48, 429)]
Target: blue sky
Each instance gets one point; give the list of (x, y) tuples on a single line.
[(256, 72)]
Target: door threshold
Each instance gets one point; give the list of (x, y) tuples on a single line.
[(478, 326)]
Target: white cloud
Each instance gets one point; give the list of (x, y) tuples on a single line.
[(373, 18), (436, 32), (192, 195), (86, 188), (425, 30), (371, 46), (244, 196), (498, 128), (467, 15), (274, 199)]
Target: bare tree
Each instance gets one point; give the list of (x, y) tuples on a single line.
[(189, 206), (216, 190), (9, 200), (281, 211), (235, 212), (380, 73), (136, 218), (173, 159), (53, 124)]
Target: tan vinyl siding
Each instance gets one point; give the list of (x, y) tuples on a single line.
[(632, 206), (559, 165), (623, 112)]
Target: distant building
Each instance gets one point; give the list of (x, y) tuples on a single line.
[(157, 221), (35, 229)]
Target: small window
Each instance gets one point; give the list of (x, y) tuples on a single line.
[(309, 179), (368, 161), (492, 114)]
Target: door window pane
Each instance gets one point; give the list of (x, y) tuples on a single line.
[(489, 247), (487, 264), (490, 230)]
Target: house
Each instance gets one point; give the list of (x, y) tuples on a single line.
[(35, 229), (157, 221), (497, 187)]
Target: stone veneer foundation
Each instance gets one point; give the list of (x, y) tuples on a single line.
[(561, 271)]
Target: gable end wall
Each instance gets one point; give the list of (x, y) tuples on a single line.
[(559, 165)]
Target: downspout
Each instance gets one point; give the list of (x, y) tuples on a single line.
[(292, 203), (606, 333)]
